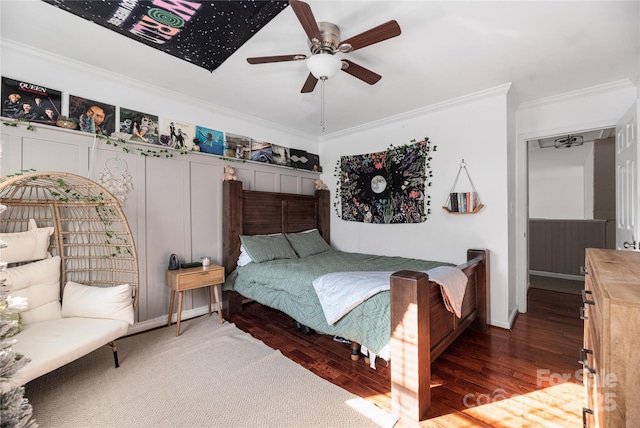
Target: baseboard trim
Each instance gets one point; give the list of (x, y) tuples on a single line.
[(557, 275), (162, 320)]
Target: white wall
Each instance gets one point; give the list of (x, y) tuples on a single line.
[(474, 129), (561, 182), (174, 206), (557, 193)]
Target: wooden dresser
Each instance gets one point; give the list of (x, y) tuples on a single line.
[(611, 353)]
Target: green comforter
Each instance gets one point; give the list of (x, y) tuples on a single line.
[(286, 285)]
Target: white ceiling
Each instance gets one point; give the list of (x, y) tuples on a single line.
[(447, 49)]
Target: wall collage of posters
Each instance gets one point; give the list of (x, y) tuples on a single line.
[(386, 187), (38, 104)]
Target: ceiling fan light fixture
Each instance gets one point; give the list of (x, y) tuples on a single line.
[(323, 66), (568, 141)]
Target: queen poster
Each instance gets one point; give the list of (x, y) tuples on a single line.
[(30, 102)]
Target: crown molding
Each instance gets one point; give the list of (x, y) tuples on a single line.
[(82, 67), (580, 93), (465, 99)]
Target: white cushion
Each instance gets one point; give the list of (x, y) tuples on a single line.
[(244, 258), (80, 300), (26, 246), (55, 343), (39, 283)]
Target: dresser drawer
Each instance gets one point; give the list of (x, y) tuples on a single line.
[(593, 329), (592, 316), (590, 411), (592, 348)]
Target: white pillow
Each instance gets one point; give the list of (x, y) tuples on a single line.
[(39, 283), (86, 301), (26, 246), (244, 258)]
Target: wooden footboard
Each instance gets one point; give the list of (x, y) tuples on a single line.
[(422, 328)]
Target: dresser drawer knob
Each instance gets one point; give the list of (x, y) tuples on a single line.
[(585, 411), (585, 300), (583, 360)]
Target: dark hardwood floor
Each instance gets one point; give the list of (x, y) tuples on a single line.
[(529, 376)]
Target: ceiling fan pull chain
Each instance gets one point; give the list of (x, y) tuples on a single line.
[(322, 103)]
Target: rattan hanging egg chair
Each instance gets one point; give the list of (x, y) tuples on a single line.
[(91, 233), (92, 238)]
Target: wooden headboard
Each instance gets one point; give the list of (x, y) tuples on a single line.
[(250, 212)]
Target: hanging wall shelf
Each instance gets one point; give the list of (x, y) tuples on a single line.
[(467, 202)]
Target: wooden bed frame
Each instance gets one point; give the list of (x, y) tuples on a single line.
[(422, 328)]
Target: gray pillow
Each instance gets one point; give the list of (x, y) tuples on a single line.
[(262, 248), (308, 243)]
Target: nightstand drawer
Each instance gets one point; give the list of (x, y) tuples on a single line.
[(196, 279), (190, 278)]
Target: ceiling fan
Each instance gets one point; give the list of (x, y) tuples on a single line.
[(568, 141), (324, 42)]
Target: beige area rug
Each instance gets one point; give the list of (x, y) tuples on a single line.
[(212, 375)]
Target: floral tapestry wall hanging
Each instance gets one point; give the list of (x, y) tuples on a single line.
[(386, 187)]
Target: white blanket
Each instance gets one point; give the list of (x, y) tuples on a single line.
[(339, 292)]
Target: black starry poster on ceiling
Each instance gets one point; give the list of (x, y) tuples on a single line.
[(202, 33)]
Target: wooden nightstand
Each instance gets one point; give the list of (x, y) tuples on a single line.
[(181, 280)]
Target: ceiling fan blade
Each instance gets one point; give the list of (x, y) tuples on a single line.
[(360, 72), (375, 35), (306, 18), (309, 84), (277, 58)]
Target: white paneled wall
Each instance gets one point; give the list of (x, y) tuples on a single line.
[(174, 206)]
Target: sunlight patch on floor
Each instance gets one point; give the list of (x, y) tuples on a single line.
[(555, 406), (378, 417)]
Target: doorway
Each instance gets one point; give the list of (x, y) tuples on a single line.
[(571, 205)]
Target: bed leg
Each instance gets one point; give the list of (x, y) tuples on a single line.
[(114, 348), (355, 351), (231, 303)]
